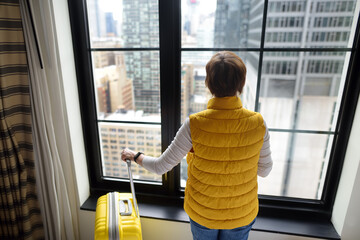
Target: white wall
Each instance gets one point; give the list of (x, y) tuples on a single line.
[(351, 228), (67, 68), (346, 212)]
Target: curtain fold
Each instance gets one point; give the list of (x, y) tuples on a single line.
[(54, 160), (20, 216)]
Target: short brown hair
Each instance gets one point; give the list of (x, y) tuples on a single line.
[(225, 74)]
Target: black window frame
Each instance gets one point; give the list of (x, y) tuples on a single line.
[(170, 68)]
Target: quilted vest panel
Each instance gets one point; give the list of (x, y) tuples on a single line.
[(221, 190)]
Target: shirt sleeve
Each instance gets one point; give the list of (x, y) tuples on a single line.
[(173, 155), (182, 144), (265, 161)]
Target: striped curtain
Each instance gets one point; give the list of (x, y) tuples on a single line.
[(20, 216)]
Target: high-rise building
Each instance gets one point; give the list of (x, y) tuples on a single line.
[(104, 58), (141, 29), (190, 24), (301, 24), (114, 88), (103, 98), (231, 23), (111, 24), (299, 89), (101, 59), (139, 137), (96, 20)]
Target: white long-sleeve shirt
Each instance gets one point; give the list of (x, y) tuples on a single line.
[(182, 144)]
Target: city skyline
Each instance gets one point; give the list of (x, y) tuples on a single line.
[(294, 85)]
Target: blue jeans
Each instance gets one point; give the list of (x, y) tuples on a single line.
[(200, 232)]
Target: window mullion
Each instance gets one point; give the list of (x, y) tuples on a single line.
[(169, 23), (262, 43)]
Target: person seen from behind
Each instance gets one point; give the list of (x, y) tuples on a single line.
[(227, 147)]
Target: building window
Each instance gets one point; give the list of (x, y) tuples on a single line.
[(143, 70)]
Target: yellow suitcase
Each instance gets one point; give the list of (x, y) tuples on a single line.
[(117, 215)]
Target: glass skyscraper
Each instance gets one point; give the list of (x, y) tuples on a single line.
[(141, 30)]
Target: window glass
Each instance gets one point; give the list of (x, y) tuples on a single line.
[(126, 81), (194, 93), (221, 24), (300, 164), (123, 24), (127, 85), (298, 91), (309, 24), (150, 137), (302, 90)]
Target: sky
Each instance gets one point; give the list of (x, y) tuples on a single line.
[(114, 6)]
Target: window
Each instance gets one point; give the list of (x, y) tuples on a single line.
[(140, 67)]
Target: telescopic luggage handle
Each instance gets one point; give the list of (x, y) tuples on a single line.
[(128, 162)]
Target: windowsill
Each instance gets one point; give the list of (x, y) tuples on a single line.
[(290, 225)]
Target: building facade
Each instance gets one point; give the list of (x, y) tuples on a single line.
[(138, 137), (140, 28)]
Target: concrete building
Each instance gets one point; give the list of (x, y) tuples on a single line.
[(300, 90), (115, 90), (140, 137)]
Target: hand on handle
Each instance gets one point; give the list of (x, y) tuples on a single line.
[(127, 154)]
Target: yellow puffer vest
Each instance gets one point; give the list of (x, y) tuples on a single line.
[(221, 190)]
